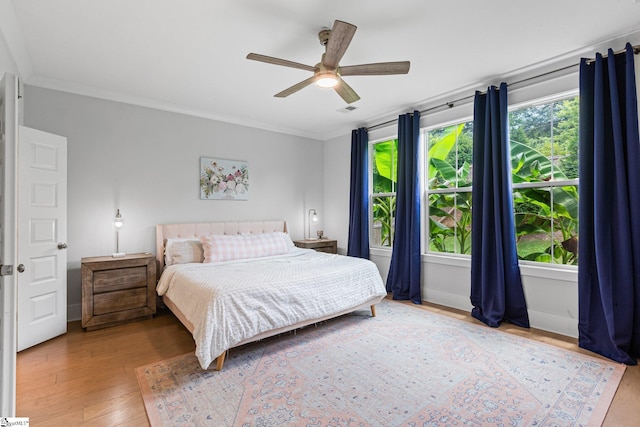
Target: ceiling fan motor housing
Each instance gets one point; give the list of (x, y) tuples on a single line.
[(324, 36)]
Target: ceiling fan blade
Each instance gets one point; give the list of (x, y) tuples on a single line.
[(295, 88), (380, 68), (278, 61), (339, 40), (346, 92)]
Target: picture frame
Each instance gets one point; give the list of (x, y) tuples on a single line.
[(223, 179)]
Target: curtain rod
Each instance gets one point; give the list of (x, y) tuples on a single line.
[(451, 104), (636, 50)]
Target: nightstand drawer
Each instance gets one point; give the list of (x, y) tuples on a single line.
[(331, 249), (119, 300), (119, 279)]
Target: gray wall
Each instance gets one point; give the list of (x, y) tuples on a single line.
[(7, 65), (146, 163), (337, 178)]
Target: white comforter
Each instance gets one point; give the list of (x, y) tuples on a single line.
[(233, 301)]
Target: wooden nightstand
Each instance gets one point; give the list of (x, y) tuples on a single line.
[(117, 290), (320, 245)]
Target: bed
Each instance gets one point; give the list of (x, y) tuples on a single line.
[(231, 283)]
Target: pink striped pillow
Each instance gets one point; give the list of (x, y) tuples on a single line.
[(227, 247)]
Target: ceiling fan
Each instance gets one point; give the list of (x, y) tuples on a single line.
[(328, 72)]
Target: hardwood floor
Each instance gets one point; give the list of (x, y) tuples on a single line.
[(88, 378)]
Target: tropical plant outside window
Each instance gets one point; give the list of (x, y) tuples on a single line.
[(449, 171), (383, 199), (544, 158)]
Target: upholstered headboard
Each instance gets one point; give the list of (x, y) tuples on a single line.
[(185, 231)]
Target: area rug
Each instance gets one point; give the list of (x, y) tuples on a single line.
[(405, 367)]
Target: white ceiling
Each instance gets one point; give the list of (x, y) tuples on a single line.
[(189, 56)]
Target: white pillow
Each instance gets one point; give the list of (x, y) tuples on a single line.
[(182, 251), (227, 247), (288, 241)]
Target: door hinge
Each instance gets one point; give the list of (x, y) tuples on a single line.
[(6, 270)]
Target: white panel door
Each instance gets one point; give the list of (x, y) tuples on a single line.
[(42, 234), (8, 129)]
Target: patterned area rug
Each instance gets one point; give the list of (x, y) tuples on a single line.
[(405, 367)]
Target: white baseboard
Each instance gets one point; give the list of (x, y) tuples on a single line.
[(540, 320), (461, 302), (554, 323)]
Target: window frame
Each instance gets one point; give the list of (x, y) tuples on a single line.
[(429, 191), (373, 196), (550, 185)]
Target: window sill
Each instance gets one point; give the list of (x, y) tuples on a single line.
[(455, 260), (380, 251), (527, 268)]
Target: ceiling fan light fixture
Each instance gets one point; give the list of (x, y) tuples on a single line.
[(327, 80), (328, 72)]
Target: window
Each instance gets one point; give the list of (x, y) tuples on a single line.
[(448, 174), (383, 198), (544, 159)]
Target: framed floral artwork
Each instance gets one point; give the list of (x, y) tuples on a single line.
[(223, 179)]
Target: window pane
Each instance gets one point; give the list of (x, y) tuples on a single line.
[(441, 223), (546, 221), (450, 156), (544, 141), (566, 134), (533, 223), (384, 208), (531, 143), (565, 225), (450, 222), (384, 165)]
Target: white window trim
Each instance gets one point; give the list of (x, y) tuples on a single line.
[(373, 195), (454, 257), (545, 89)]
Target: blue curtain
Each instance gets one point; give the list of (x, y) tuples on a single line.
[(496, 284), (403, 280), (609, 208), (358, 243)]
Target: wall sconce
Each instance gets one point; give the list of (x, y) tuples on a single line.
[(313, 217), (118, 223)]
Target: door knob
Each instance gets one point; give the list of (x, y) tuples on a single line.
[(62, 246), (21, 268)]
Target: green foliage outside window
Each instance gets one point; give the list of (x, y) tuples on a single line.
[(543, 143), (449, 167), (384, 165), (544, 151)]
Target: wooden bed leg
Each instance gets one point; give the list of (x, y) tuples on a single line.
[(373, 311), (220, 361)]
